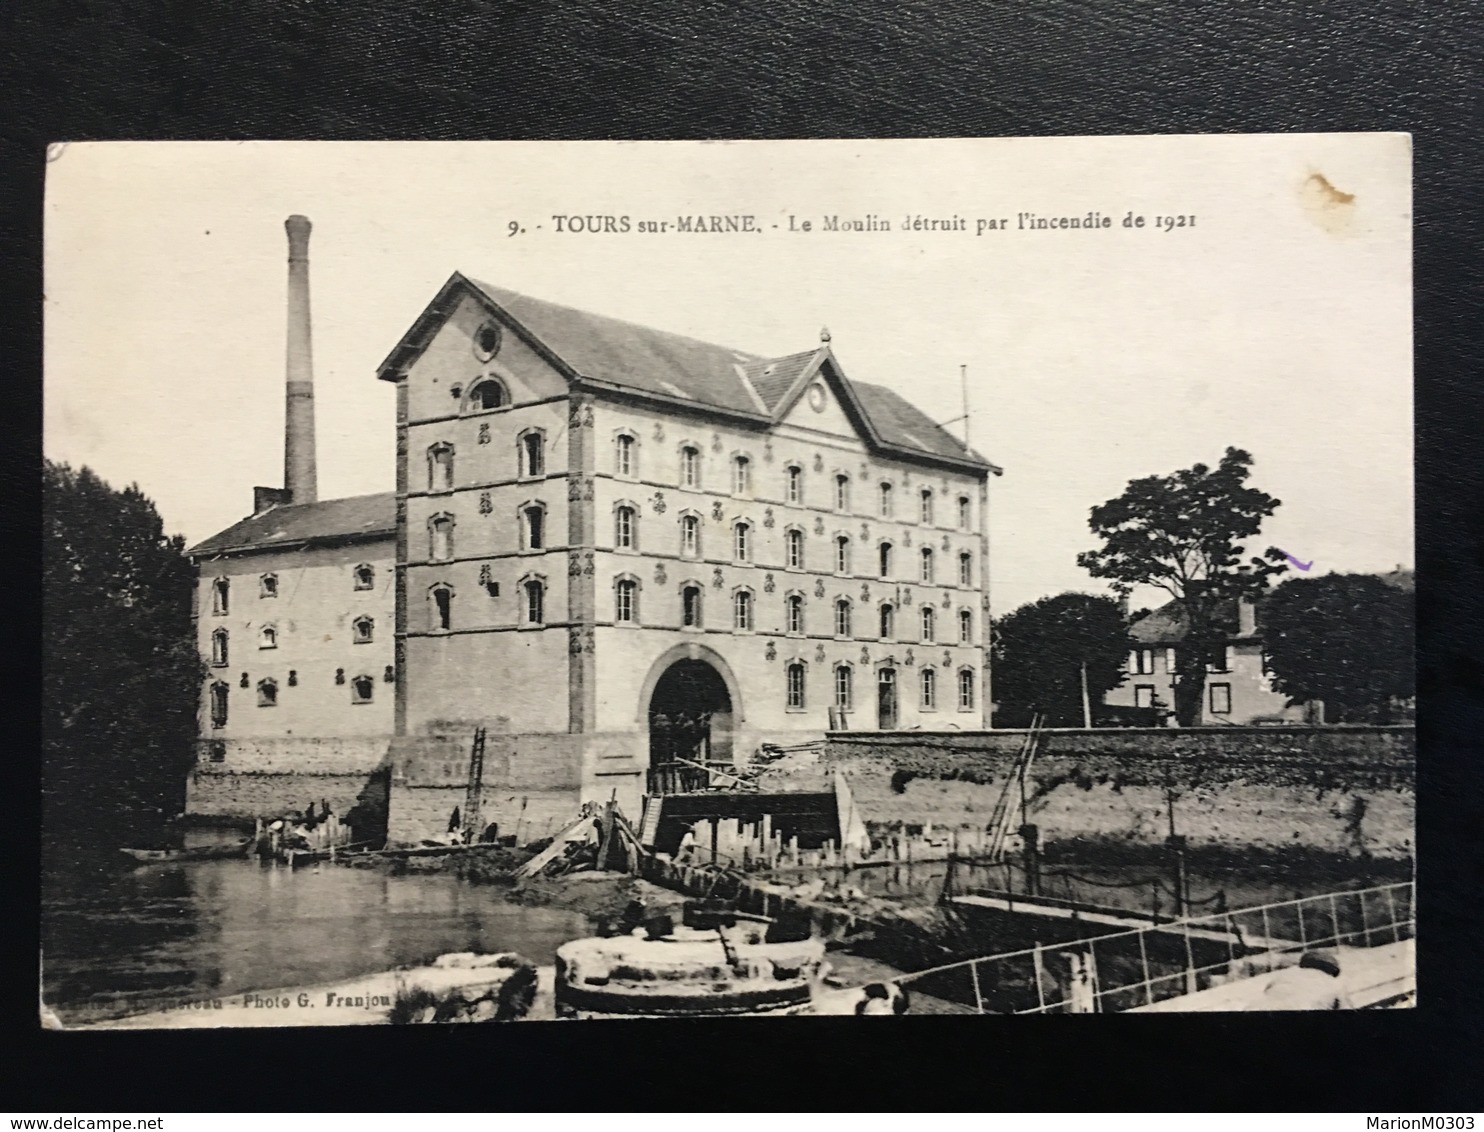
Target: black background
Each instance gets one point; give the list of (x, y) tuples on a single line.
[(99, 69)]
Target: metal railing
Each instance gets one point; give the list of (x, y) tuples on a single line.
[(1139, 967)]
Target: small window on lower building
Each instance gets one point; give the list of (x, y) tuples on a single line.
[(1143, 695), (796, 686), (267, 693), (361, 690), (1221, 699)]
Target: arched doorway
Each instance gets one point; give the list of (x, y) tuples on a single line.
[(690, 717)]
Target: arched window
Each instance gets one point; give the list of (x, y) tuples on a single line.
[(888, 621), (842, 554), (966, 569), (927, 565), (363, 630), (219, 647), (929, 624), (531, 452), (963, 512), (533, 526), (741, 475), (221, 594), (268, 692), (884, 555), (794, 608), (488, 394), (795, 484), (742, 610), (842, 492), (842, 617), (440, 606), (440, 467), (361, 689), (365, 577), (219, 693), (690, 466), (267, 637), (925, 511), (795, 681), (535, 611), (625, 527), (965, 689), (440, 538), (793, 541), (844, 690), (929, 679), (886, 501), (690, 606), (625, 453), (626, 601), (965, 627), (742, 541), (690, 536), (268, 585)]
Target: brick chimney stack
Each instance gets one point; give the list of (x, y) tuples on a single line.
[(299, 478)]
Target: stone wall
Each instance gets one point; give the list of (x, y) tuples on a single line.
[(1340, 790)]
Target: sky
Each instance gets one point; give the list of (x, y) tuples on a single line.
[(1278, 321)]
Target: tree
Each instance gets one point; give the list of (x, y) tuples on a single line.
[(1346, 639), (120, 669), (1183, 533), (1037, 655)]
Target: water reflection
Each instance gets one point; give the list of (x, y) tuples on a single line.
[(118, 940)]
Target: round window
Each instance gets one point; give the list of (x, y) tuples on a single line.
[(486, 341), (817, 397)]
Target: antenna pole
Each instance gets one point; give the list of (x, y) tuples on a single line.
[(963, 376)]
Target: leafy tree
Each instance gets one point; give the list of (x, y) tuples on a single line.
[(121, 673), (1183, 533), (1346, 639), (1037, 654)]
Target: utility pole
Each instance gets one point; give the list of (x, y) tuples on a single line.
[(1086, 701), (963, 380)]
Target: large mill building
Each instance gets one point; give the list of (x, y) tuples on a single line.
[(621, 551)]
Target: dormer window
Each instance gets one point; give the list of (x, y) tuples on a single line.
[(365, 577), (488, 394), (268, 585)]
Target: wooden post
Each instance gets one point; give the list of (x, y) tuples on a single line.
[(605, 846), (1030, 835), (1176, 844)]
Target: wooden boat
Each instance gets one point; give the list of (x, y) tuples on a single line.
[(195, 853)]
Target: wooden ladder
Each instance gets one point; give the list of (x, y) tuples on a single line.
[(1000, 821), (475, 792), (649, 827)]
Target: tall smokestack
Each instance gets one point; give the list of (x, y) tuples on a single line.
[(299, 478)]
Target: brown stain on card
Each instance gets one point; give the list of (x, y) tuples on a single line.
[(1329, 207)]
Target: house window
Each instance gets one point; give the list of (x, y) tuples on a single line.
[(884, 554), (795, 484), (221, 592), (1170, 661), (219, 647), (533, 526), (966, 570), (844, 697), (1220, 661), (928, 624), (690, 607), (363, 629), (488, 394), (440, 538), (626, 601), (219, 693), (966, 689), (440, 467), (927, 565), (268, 585), (690, 536), (532, 453), (794, 545), (886, 504), (842, 554), (965, 627), (268, 693), (929, 681), (925, 510), (361, 689), (535, 602), (795, 686), (795, 609), (742, 542), (441, 605), (742, 610), (842, 492), (625, 522), (741, 475), (1143, 695), (1221, 699), (842, 617), (623, 455), (690, 467), (963, 512), (1141, 662), (365, 577), (267, 637), (888, 621)]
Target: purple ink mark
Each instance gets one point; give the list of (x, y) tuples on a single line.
[(1301, 565)]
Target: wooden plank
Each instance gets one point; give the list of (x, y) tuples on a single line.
[(552, 851)]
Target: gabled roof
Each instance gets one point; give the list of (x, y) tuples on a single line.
[(599, 350), (356, 518)]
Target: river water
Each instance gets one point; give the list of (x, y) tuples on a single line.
[(117, 939)]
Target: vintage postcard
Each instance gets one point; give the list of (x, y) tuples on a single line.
[(561, 581)]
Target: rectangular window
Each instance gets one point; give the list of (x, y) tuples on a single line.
[(442, 540), (742, 610), (690, 467), (221, 590), (965, 627), (741, 475), (623, 535), (440, 468), (842, 618), (690, 536), (1141, 662), (690, 607), (219, 693), (795, 544), (927, 507), (842, 555), (624, 456), (1143, 695), (843, 690), (886, 501), (795, 485), (966, 689), (533, 454), (795, 613), (535, 603), (624, 602), (1221, 659), (796, 686), (219, 647), (535, 528), (740, 543), (966, 570), (929, 689), (1221, 699), (842, 493), (963, 512)]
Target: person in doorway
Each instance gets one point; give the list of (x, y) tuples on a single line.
[(687, 846), (1314, 984)]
